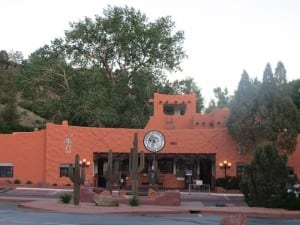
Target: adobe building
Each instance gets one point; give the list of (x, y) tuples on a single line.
[(188, 146)]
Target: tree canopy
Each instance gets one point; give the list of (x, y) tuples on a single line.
[(222, 99), (264, 112), (104, 70), (123, 42)]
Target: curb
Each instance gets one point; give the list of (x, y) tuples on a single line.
[(41, 205)]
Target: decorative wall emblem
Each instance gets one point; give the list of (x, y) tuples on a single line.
[(68, 144), (154, 141)]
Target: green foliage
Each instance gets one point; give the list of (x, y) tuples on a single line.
[(284, 201), (222, 97), (295, 92), (124, 40), (264, 111), (134, 201), (17, 181), (229, 183), (3, 56), (65, 198), (241, 123), (103, 71), (223, 100), (265, 177), (279, 117)]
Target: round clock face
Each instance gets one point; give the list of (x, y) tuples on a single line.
[(154, 141)]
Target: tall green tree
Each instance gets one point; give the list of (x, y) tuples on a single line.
[(264, 112), (123, 40), (103, 72), (277, 114), (242, 123)]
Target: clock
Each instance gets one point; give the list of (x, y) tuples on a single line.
[(154, 141)]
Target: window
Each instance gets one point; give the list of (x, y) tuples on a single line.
[(174, 109), (6, 170), (240, 169), (291, 172), (64, 170), (165, 165)]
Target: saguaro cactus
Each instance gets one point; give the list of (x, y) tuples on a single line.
[(136, 165), (154, 175), (112, 172), (77, 177)]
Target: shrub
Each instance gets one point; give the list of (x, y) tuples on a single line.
[(17, 181), (289, 202), (266, 178), (134, 201), (28, 182), (65, 198), (229, 183)]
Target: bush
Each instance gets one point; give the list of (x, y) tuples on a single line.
[(229, 183), (266, 179), (289, 202), (65, 198), (134, 201), (28, 182), (17, 181)]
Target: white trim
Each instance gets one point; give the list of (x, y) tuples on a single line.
[(6, 164)]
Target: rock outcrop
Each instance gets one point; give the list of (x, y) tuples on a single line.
[(105, 200), (237, 219)]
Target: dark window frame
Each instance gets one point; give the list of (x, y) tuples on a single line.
[(166, 165), (7, 171), (64, 170), (240, 169)]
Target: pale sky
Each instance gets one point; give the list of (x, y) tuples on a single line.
[(222, 37)]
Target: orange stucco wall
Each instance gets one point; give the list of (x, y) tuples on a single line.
[(37, 156), (294, 159), (26, 151)]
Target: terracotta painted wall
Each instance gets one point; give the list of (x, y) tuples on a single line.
[(26, 151), (294, 159), (85, 141), (161, 121)]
